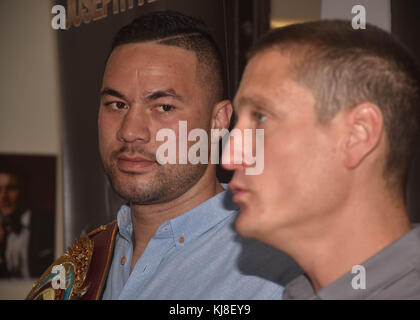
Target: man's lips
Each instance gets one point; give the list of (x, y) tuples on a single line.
[(134, 164), (238, 192)]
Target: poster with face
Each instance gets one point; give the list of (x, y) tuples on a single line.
[(27, 215)]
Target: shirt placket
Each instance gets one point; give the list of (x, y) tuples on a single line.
[(148, 263)]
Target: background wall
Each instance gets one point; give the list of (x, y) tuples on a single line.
[(378, 12), (29, 109), (284, 12)]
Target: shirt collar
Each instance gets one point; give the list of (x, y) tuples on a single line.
[(190, 224), (388, 265), (125, 225)]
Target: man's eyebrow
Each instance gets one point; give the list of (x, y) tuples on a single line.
[(112, 92), (163, 94), (253, 101)]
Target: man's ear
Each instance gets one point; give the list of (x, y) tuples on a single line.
[(365, 126), (222, 112)]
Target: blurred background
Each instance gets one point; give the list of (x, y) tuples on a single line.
[(49, 83)]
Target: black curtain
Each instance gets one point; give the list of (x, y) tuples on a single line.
[(88, 198)]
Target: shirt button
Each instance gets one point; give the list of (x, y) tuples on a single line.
[(181, 239), (123, 260)]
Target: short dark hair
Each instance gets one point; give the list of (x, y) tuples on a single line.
[(344, 67), (176, 29)]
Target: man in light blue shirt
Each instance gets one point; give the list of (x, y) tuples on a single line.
[(197, 255), (175, 238)]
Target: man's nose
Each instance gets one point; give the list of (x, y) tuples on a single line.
[(135, 126), (233, 153)]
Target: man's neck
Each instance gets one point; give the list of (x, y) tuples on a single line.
[(328, 249), (146, 219)]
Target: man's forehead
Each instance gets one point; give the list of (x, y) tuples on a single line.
[(271, 62), (269, 82), (150, 59), (148, 67), (150, 51), (267, 70)]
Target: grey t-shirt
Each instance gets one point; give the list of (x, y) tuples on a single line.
[(392, 273)]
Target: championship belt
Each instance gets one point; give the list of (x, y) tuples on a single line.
[(80, 274)]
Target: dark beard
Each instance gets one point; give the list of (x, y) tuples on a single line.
[(168, 183)]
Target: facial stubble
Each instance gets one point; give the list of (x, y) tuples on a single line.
[(162, 184)]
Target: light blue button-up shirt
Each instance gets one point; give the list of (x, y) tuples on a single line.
[(197, 255)]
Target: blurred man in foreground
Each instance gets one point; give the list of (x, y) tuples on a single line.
[(340, 113)]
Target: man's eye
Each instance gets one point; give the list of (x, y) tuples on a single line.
[(116, 105), (260, 116), (165, 108)]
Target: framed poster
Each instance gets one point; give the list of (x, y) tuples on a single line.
[(27, 215)]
